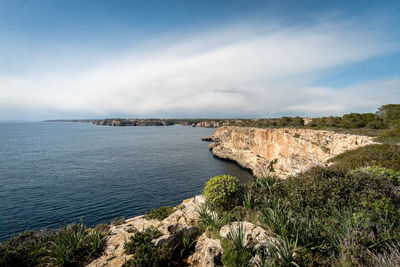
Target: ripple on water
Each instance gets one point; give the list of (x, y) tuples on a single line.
[(56, 173)]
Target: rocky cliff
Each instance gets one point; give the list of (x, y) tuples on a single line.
[(282, 152)]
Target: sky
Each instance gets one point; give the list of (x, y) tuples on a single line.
[(196, 59)]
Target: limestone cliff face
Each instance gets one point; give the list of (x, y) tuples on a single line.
[(281, 151)]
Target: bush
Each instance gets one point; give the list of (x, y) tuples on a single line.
[(390, 135), (222, 191), (144, 252), (186, 242), (170, 254), (382, 155), (160, 213), (321, 190), (71, 245), (392, 175), (25, 249), (210, 219), (355, 241), (147, 255), (118, 221), (139, 238), (233, 256)]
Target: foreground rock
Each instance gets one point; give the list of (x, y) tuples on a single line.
[(259, 237), (282, 152), (208, 252), (181, 220)]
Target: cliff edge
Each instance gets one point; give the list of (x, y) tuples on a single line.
[(281, 152)]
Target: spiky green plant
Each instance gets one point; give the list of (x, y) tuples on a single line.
[(238, 236), (209, 219)]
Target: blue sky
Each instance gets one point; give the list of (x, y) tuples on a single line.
[(95, 59)]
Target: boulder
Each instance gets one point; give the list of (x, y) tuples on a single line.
[(208, 252)]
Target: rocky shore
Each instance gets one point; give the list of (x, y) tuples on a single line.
[(132, 122), (163, 122), (282, 152), (181, 220), (208, 250)]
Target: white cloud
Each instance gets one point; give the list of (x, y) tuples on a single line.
[(247, 71)]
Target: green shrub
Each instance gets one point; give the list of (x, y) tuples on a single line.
[(147, 255), (392, 175), (222, 191), (210, 219), (139, 238), (248, 202), (320, 190), (102, 228), (160, 213), (390, 135), (132, 230), (25, 249), (355, 240), (71, 245), (382, 155), (118, 221), (265, 190), (186, 242), (234, 257)]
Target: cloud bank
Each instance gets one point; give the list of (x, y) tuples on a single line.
[(238, 71)]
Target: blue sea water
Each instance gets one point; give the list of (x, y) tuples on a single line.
[(55, 173)]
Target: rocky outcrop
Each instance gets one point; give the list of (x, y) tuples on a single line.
[(259, 237), (208, 252), (181, 220), (282, 152), (132, 122), (215, 123), (208, 124)]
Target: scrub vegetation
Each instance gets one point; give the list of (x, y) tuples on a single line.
[(71, 245), (341, 215)]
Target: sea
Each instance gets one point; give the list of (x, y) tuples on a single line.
[(56, 173)]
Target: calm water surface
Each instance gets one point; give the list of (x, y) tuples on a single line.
[(57, 173)]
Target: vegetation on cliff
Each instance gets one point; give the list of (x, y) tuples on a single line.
[(340, 215), (384, 124), (72, 245)]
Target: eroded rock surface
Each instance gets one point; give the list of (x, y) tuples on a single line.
[(259, 237), (282, 152), (208, 252), (182, 219)]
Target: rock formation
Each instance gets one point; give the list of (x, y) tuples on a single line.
[(208, 124), (181, 220), (132, 122), (252, 233), (282, 152), (208, 252)]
